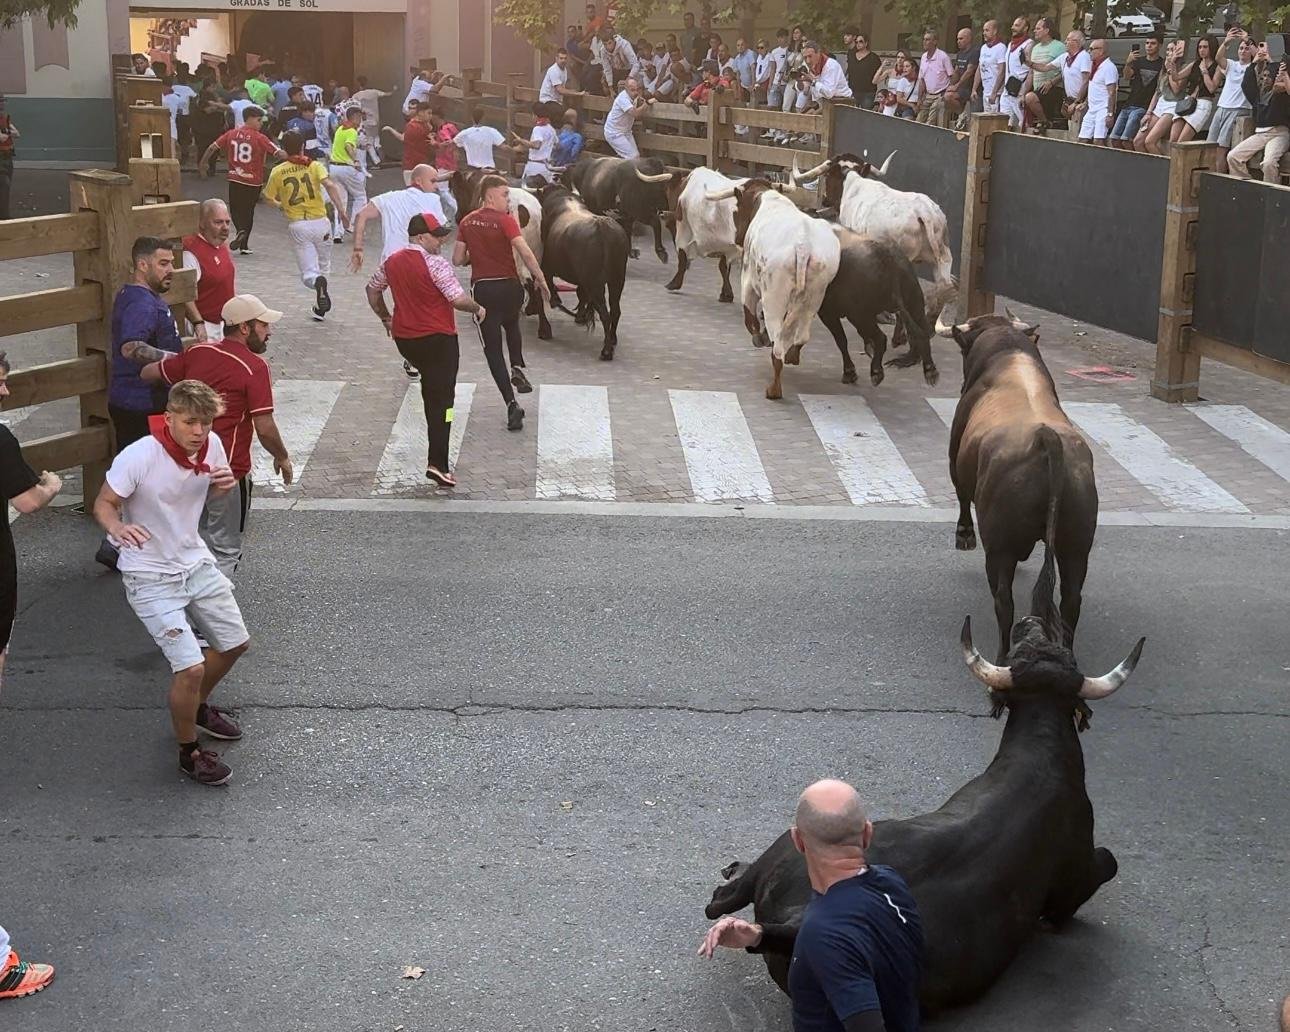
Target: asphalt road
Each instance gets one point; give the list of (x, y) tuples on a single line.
[(515, 751)]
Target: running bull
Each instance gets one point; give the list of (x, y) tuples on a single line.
[(630, 189), (789, 260), (1016, 454), (1011, 848), (702, 228), (589, 251)]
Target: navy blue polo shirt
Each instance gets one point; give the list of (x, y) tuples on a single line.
[(139, 314), (860, 949)]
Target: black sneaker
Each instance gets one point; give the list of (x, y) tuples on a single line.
[(411, 370), (317, 315), (514, 416), (324, 299), (519, 381)]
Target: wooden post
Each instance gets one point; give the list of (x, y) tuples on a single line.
[(720, 131), (1177, 376), (975, 299), (107, 194)]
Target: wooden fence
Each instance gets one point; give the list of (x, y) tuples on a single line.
[(98, 231)]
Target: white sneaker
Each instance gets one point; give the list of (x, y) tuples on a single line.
[(769, 134)]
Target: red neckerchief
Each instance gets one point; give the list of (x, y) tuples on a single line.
[(1097, 61), (817, 66), (159, 429), (298, 159), (541, 121), (1072, 58), (1016, 42)]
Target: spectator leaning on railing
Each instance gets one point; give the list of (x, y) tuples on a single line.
[(1268, 91)]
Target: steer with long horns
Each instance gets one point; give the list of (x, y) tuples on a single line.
[(789, 260), (629, 189), (1017, 456), (912, 223), (1010, 849), (702, 228)]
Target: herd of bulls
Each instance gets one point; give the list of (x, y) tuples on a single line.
[(1013, 847)]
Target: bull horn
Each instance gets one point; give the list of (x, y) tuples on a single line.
[(882, 172), (810, 174), (724, 194), (996, 678), (662, 177), (1100, 687), (1029, 329), (944, 329)]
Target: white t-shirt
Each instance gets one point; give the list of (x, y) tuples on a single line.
[(419, 90), (991, 58), (1104, 82), (780, 56), (1233, 95), (555, 76), (397, 208), (901, 86), (369, 100), (540, 157), (478, 142), (1074, 72), (173, 103), (185, 93), (165, 499), (239, 106), (765, 66), (621, 118)]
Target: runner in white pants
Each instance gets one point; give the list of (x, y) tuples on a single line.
[(344, 163), (296, 188), (627, 107)]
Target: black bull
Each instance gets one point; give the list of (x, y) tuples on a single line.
[(612, 186), (589, 251), (1016, 455), (1011, 848)]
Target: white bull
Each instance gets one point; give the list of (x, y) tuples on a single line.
[(910, 222), (702, 228), (789, 260), (527, 210)]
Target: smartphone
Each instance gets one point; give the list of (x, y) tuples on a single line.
[(1136, 48)]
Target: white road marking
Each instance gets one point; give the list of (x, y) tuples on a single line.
[(719, 449), (1266, 441), (863, 455), (575, 451), (301, 409), (403, 463), (1150, 460), (944, 407)]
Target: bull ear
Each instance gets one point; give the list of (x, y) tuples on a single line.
[(522, 217)]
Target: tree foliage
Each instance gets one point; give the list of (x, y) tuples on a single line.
[(537, 22), (54, 11)]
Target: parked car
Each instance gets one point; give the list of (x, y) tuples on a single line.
[(1124, 22)]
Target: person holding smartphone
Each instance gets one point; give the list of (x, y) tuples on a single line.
[(1268, 90), (1232, 102)]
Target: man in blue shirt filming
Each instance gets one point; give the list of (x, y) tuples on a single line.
[(859, 952)]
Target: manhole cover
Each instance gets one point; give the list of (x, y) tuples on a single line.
[(1102, 374)]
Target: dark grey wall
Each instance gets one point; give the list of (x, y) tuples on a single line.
[(931, 161), (1243, 265), (1078, 229)]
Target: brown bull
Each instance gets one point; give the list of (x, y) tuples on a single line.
[(1014, 452)]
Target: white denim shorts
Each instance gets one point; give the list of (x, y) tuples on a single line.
[(168, 604)]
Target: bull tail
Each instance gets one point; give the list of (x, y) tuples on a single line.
[(802, 259), (1041, 602)]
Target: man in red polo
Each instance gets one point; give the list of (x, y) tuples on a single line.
[(417, 139), (234, 368), (208, 252)]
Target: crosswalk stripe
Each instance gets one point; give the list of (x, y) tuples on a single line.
[(301, 409), (1150, 460), (403, 463), (1266, 441), (575, 451), (863, 455), (719, 449), (944, 407)]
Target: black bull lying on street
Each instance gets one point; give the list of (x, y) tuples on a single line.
[(1011, 848)]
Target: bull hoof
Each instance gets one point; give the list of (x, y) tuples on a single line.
[(607, 353), (1105, 863), (876, 376), (793, 356), (531, 308), (662, 256), (903, 361), (849, 376), (725, 297), (672, 285), (760, 342), (634, 253), (544, 333), (774, 393), (965, 540), (932, 375)]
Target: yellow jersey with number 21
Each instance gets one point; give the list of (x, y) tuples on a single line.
[(299, 189)]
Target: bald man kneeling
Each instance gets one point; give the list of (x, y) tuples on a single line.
[(858, 954)]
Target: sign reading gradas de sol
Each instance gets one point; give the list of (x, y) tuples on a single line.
[(355, 6)]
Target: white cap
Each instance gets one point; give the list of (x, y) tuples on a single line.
[(241, 308)]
